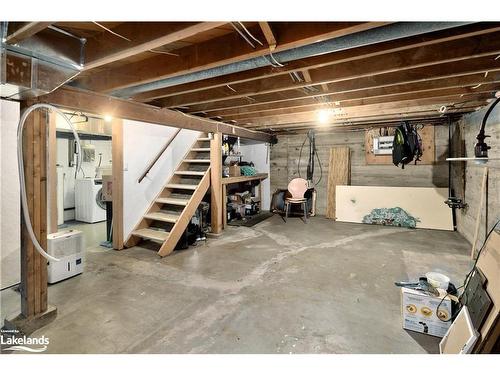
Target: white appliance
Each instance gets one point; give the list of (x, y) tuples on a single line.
[(89, 206), (60, 195), (68, 246)]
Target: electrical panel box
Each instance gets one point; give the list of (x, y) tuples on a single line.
[(382, 145)]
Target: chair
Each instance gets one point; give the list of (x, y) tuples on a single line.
[(297, 187)]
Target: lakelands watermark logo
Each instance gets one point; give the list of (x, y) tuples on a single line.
[(11, 341)]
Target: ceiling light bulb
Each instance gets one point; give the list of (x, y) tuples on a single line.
[(108, 118), (323, 116)]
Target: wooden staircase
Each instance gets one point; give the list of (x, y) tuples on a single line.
[(170, 213)]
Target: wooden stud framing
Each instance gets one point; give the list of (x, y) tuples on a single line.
[(26, 31), (339, 173), (117, 186)]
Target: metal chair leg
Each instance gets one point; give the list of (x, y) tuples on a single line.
[(304, 205), (287, 206)]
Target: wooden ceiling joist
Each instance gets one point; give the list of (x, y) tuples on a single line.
[(135, 47), (268, 34), (91, 102), (460, 94), (454, 51), (462, 84), (216, 52), (324, 60), (26, 31), (423, 74), (393, 109)]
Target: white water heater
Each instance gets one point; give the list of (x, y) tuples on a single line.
[(69, 247)]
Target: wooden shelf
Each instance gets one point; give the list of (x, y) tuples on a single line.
[(234, 180)]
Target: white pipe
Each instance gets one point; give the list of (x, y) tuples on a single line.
[(20, 162)]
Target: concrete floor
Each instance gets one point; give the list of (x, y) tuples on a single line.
[(324, 287)]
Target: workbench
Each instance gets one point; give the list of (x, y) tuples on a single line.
[(235, 180)]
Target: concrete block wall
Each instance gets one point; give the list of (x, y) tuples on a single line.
[(285, 156)]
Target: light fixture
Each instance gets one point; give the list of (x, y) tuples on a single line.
[(323, 116), (108, 118)]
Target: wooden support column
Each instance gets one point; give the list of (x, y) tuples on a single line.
[(215, 182), (117, 187), (33, 265), (35, 311)]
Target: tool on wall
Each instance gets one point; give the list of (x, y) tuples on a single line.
[(481, 148)]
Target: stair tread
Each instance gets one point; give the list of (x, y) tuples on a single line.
[(161, 216), (197, 161), (176, 201), (182, 186), (191, 173), (151, 234), (201, 149)]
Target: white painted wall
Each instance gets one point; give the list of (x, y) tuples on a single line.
[(10, 221), (141, 143), (259, 154)]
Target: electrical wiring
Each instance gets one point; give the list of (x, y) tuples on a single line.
[(242, 35), (249, 33), (111, 31), (467, 277), (22, 181)]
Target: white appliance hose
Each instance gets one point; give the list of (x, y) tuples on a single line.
[(20, 163)]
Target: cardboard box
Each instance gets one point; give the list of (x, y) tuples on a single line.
[(419, 312), (234, 171)]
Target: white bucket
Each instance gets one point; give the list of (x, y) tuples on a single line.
[(438, 280)]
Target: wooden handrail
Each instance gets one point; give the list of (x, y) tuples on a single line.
[(153, 162)]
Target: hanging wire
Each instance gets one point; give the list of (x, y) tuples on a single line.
[(111, 31)]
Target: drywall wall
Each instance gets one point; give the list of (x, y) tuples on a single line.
[(285, 157), (467, 176), (258, 153), (10, 219), (141, 143)]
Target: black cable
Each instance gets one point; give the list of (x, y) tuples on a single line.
[(467, 277), (8, 287)]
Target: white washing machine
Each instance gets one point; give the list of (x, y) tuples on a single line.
[(89, 206)]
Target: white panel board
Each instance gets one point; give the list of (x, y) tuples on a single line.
[(417, 207)]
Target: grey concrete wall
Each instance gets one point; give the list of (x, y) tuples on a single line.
[(467, 177), (285, 155)]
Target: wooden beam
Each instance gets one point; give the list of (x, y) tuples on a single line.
[(422, 74), (409, 113), (91, 102), (396, 109), (268, 34), (26, 31), (137, 48), (460, 94), (314, 62), (117, 184), (33, 265), (464, 84), (216, 52), (455, 51), (217, 204)]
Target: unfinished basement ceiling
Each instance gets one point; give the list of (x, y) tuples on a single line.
[(278, 76)]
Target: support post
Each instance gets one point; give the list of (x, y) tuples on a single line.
[(215, 182), (35, 311), (117, 186)]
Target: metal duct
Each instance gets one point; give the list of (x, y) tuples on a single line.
[(378, 35), (35, 67)]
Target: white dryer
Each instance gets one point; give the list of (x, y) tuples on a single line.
[(89, 206)]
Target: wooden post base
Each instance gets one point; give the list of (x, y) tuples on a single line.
[(26, 326)]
